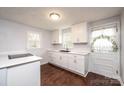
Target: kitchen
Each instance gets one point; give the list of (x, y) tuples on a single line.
[(61, 46)]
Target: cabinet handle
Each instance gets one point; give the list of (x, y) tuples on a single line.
[(60, 58), (74, 61), (116, 71)]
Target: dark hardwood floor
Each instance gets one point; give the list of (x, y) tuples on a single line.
[(55, 76)]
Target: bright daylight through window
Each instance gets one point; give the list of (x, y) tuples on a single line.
[(104, 40), (33, 40), (67, 38)]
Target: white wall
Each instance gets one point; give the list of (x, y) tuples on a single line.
[(13, 37), (122, 46)]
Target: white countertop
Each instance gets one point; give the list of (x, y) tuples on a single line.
[(5, 62), (72, 52)]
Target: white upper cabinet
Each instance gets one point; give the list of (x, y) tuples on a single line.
[(56, 37), (80, 33)]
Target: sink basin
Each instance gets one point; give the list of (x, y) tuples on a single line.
[(65, 51)]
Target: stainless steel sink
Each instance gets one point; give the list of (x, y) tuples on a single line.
[(65, 51)]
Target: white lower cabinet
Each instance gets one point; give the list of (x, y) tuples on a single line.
[(54, 58), (3, 76), (64, 60), (77, 63), (74, 62), (59, 59), (24, 75), (80, 64), (21, 75), (71, 62)]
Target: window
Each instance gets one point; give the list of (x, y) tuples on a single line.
[(33, 40), (67, 38), (104, 40)]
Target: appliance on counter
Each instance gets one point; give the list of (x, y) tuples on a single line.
[(19, 55)]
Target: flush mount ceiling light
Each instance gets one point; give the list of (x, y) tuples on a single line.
[(54, 16)]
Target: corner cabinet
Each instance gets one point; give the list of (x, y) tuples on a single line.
[(80, 33), (56, 37), (72, 62)]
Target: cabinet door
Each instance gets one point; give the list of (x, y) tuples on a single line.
[(79, 33), (24, 75), (74, 33), (83, 33), (55, 58), (56, 37), (76, 63), (3, 77), (64, 60), (58, 58), (50, 57), (80, 64), (71, 62)]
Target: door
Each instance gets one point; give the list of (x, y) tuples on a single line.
[(105, 64), (105, 56), (24, 75)]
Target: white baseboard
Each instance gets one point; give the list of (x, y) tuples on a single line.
[(120, 80), (84, 75)]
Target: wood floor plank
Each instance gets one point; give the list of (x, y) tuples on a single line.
[(55, 76)]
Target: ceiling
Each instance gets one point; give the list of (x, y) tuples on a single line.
[(38, 17)]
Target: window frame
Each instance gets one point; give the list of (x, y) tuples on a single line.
[(28, 45), (67, 30), (106, 26)]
